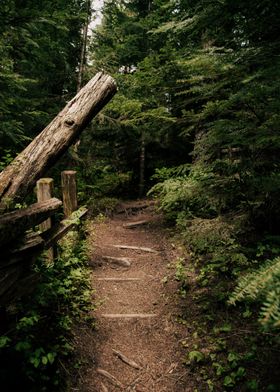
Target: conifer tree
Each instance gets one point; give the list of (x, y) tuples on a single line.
[(40, 44)]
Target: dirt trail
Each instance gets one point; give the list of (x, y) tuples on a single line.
[(137, 308)]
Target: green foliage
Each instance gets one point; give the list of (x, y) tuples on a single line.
[(6, 159), (195, 356), (103, 205), (40, 50), (40, 339), (215, 238), (140, 115), (181, 276), (182, 196), (262, 285)]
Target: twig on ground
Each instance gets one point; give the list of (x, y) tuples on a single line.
[(110, 377), (126, 360)]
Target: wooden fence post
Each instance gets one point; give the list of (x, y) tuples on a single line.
[(69, 192), (45, 189), (45, 192)]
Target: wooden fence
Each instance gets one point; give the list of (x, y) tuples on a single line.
[(19, 249)]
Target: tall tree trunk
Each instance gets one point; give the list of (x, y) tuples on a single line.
[(84, 47), (74, 150), (142, 165), (17, 179)]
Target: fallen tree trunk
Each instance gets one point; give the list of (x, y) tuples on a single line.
[(17, 179)]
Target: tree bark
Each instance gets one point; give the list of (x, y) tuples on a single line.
[(84, 48), (45, 189), (69, 192), (142, 165), (17, 179)]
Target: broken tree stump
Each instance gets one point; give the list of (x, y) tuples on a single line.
[(17, 179)]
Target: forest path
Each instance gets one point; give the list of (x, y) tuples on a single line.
[(137, 344)]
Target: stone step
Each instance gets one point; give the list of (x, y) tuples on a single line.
[(118, 261)]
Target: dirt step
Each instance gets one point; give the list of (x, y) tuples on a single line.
[(135, 208), (119, 279), (142, 249), (129, 316), (134, 225)]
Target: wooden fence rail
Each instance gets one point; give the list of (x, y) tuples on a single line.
[(19, 248)]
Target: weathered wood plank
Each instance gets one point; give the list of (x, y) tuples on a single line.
[(30, 246), (17, 179), (69, 192), (15, 223), (34, 243), (23, 285), (16, 277), (8, 278), (45, 189)]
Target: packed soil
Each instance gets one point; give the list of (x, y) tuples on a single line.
[(136, 345)]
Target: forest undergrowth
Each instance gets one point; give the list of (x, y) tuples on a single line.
[(229, 281), (37, 342)]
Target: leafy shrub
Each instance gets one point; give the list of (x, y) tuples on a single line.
[(104, 205), (39, 340), (214, 242), (183, 195)]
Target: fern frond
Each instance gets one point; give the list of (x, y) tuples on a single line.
[(270, 311), (254, 284), (263, 285)]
